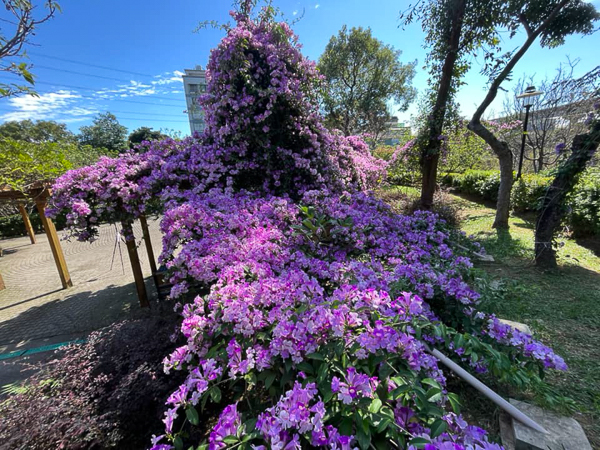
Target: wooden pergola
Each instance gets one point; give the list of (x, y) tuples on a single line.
[(39, 193)]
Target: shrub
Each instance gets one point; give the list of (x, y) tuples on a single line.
[(13, 226), (583, 203), (106, 393)]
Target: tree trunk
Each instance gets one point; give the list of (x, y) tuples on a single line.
[(429, 183), (582, 150), (500, 148), (505, 158), (430, 153)]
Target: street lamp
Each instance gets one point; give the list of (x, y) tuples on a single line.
[(528, 99)]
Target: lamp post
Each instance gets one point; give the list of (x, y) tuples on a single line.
[(528, 99)]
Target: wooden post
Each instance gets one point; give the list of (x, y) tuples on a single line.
[(135, 264), (54, 242), (148, 243), (27, 223), (2, 283)]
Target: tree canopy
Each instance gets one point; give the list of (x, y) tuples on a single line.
[(38, 131), (141, 134), (106, 132), (364, 75)]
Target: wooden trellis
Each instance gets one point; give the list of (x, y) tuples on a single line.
[(39, 193)]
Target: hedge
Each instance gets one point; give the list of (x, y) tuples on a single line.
[(583, 204), (13, 226)]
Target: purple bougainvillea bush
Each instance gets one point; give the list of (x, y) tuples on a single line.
[(319, 303)]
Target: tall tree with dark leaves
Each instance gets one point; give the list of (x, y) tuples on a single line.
[(364, 75), (105, 132), (443, 22)]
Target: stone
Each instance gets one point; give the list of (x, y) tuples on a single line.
[(518, 325), (564, 433)]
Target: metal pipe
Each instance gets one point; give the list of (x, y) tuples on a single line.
[(506, 406)]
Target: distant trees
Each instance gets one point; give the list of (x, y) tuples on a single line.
[(17, 27), (144, 134), (364, 75), (106, 132), (38, 131)]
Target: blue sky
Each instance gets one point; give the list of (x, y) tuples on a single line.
[(148, 43)]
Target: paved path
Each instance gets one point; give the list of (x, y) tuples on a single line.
[(36, 311)]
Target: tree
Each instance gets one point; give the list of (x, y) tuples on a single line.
[(363, 76), (144, 134), (555, 115), (22, 163), (443, 22), (20, 24), (582, 149), (550, 21), (39, 131), (105, 131)]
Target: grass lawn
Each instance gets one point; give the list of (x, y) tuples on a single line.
[(562, 308)]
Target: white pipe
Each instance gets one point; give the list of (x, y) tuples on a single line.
[(506, 406)]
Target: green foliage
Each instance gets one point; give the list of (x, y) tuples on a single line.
[(12, 225), (363, 75), (20, 20), (105, 132), (38, 131), (583, 203), (144, 134), (22, 163)]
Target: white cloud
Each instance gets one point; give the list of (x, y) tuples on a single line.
[(317, 6), (169, 77), (295, 12), (47, 106)]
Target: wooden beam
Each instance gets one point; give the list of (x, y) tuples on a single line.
[(27, 223), (148, 243), (54, 242), (134, 259)]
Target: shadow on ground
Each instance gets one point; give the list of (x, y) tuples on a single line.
[(79, 313)]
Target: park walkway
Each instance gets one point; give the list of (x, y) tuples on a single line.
[(36, 311)]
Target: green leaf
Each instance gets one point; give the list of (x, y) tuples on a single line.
[(364, 439), (383, 424), (178, 443), (269, 380), (438, 427), (419, 442), (454, 402), (431, 382), (215, 394), (375, 406), (192, 415), (231, 439), (317, 356)]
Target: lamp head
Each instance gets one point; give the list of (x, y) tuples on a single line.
[(529, 96)]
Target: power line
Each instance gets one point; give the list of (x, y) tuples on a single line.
[(116, 112), (72, 61), (37, 66), (93, 89)]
